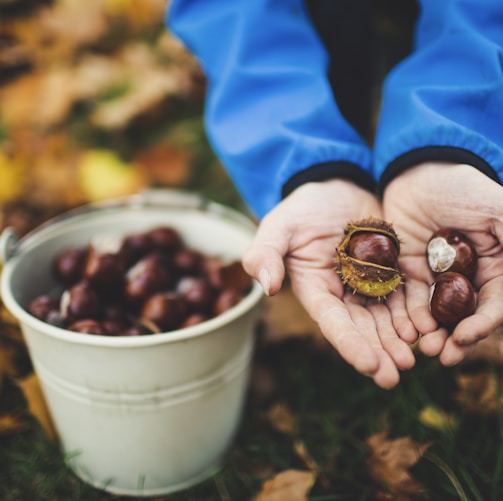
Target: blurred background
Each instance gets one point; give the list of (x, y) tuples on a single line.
[(97, 100)]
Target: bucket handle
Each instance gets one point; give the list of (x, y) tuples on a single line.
[(8, 244)]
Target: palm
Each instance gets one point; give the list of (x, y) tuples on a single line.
[(432, 196), (302, 233)]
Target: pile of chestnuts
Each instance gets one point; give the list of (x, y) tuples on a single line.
[(141, 283), (453, 259)]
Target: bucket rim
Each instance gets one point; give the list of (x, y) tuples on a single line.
[(152, 198)]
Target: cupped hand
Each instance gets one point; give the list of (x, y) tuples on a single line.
[(431, 196), (299, 237)]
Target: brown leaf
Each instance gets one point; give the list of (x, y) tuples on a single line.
[(57, 31), (14, 358), (280, 417), (479, 392), (37, 406), (165, 164), (41, 98), (11, 423), (289, 485), (390, 461), (149, 85), (302, 452)]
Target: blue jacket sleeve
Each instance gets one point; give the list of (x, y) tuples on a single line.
[(445, 101), (270, 113)]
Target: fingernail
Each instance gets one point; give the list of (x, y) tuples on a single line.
[(265, 280)]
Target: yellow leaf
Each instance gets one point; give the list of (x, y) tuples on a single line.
[(103, 175), (11, 179), (436, 418)]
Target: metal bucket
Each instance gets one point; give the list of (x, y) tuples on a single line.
[(143, 415)]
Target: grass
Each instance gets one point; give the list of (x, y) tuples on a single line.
[(335, 409)]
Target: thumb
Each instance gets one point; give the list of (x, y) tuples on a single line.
[(264, 259)]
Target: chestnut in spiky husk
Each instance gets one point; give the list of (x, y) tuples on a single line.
[(367, 258)]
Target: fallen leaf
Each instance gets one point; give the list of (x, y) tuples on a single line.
[(437, 418), (389, 464), (280, 417), (289, 485), (11, 179), (14, 358), (302, 452), (479, 392), (104, 175), (30, 386), (149, 84), (41, 98), (11, 423), (138, 13), (165, 164), (59, 30)]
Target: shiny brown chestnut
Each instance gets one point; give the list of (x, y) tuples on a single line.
[(43, 306), (450, 250), (452, 298), (198, 293), (88, 326), (166, 310), (373, 248), (165, 238), (148, 276), (226, 300), (68, 265), (80, 301)]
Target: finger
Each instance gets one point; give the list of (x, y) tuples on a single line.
[(386, 374), (343, 333), (432, 344), (400, 316), (417, 297), (263, 260), (487, 317), (453, 353), (399, 351)]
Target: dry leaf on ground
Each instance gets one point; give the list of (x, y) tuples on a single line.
[(480, 392), (165, 164), (389, 464), (437, 418), (281, 418), (289, 485), (30, 386), (103, 175), (11, 423)]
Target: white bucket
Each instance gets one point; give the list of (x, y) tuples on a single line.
[(143, 415)]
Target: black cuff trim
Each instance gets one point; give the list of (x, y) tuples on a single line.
[(435, 154), (330, 170)]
